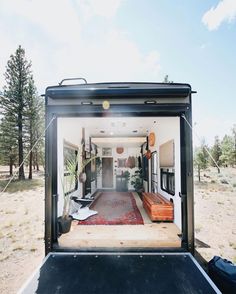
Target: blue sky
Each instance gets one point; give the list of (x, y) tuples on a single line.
[(128, 40)]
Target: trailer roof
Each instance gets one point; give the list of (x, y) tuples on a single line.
[(119, 89)]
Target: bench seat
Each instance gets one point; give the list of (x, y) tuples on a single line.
[(157, 207)]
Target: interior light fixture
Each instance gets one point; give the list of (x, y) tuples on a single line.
[(150, 102)]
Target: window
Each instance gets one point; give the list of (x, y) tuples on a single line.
[(154, 181), (106, 151), (168, 180), (167, 164)]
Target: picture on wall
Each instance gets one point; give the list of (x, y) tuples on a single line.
[(106, 151), (122, 162)]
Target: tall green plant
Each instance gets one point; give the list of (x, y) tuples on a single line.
[(74, 167), (137, 180)]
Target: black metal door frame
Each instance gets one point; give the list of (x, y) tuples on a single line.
[(118, 111)]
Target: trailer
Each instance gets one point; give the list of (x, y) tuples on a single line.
[(132, 203)]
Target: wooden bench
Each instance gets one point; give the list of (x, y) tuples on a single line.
[(157, 207)]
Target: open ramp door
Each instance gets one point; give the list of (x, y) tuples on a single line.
[(108, 273)]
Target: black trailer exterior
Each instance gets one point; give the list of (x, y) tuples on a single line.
[(110, 270), (136, 99), (104, 273)]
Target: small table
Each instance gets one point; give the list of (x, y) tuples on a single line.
[(83, 201)]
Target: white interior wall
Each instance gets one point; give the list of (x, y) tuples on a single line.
[(167, 129), (129, 151)]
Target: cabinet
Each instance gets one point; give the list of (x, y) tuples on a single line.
[(121, 183)]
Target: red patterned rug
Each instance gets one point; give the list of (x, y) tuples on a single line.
[(114, 208)]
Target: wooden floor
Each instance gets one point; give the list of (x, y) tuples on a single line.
[(122, 236)]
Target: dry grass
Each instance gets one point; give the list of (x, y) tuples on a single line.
[(21, 232), (19, 186), (215, 214)]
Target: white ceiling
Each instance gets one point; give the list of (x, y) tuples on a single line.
[(114, 130), (118, 141)]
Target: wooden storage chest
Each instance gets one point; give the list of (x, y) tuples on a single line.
[(157, 207)]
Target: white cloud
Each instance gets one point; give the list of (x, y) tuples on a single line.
[(103, 8), (56, 19), (224, 11), (57, 41)]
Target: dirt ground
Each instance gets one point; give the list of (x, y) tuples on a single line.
[(22, 226), (21, 236), (215, 214)]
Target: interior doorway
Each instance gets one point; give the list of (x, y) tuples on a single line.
[(107, 172)]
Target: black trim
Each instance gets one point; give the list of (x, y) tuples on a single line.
[(187, 198), (121, 90), (50, 182), (134, 110)]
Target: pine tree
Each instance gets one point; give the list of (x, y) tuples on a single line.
[(201, 159), (14, 99), (34, 109), (166, 79), (38, 158), (31, 121), (227, 147), (234, 138), (216, 153), (8, 143)]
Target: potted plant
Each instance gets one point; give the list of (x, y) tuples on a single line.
[(137, 181), (75, 170), (64, 221), (98, 164)]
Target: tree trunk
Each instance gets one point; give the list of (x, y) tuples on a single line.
[(199, 173), (20, 146), (37, 160), (30, 165), (31, 152), (11, 166)]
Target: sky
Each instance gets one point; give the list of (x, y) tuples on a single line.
[(191, 41)]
